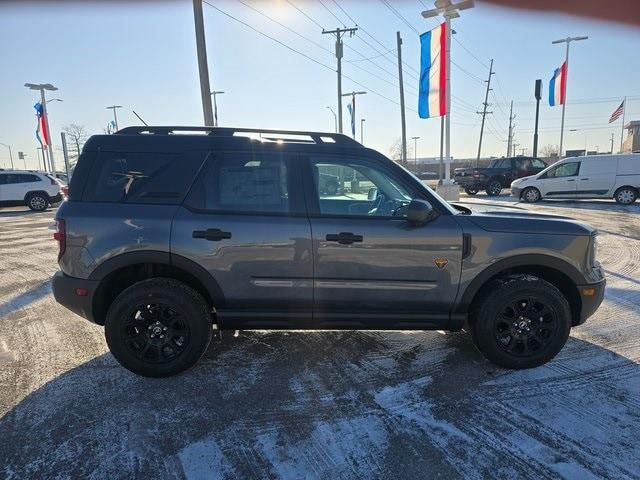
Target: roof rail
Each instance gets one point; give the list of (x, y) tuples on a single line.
[(279, 136)]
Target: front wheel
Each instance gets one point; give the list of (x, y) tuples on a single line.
[(531, 195), (158, 327), (494, 187), (520, 321), (471, 190)]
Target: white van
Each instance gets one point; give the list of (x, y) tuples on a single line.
[(591, 176)]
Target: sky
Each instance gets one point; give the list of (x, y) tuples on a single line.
[(142, 56)]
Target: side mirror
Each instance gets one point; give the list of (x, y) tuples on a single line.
[(372, 194), (419, 212)]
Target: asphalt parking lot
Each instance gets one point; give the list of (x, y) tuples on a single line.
[(355, 405)]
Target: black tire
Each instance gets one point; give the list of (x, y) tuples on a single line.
[(506, 322), (625, 195), (531, 195), (38, 202), (470, 190), (494, 187), (158, 327)]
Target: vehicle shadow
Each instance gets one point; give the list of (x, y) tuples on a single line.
[(333, 405)]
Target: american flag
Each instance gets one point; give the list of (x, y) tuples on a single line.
[(616, 114)]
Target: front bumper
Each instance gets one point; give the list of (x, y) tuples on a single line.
[(516, 192), (65, 292), (591, 296)]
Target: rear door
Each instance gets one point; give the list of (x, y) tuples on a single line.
[(597, 176), (560, 181), (244, 221), (373, 269)]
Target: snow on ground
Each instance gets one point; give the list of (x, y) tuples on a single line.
[(326, 405)]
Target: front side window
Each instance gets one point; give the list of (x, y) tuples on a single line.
[(243, 182), (356, 188), (142, 177), (536, 163), (569, 169)]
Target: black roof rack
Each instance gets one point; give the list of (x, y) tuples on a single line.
[(279, 136)]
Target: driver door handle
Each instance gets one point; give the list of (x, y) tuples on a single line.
[(571, 180), (212, 234), (584, 179), (343, 238)]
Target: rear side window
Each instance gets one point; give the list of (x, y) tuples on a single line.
[(13, 178), (142, 177), (244, 182)]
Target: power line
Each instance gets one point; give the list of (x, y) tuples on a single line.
[(399, 15), (303, 13), (333, 14)]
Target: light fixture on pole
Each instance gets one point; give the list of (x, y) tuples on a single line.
[(115, 116), (335, 118), (41, 87), (54, 100), (362, 120), (415, 151), (448, 10), (567, 40), (215, 106), (10, 154)]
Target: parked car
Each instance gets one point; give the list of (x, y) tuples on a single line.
[(427, 175), (165, 236), (498, 175), (329, 184), (34, 189), (591, 176)]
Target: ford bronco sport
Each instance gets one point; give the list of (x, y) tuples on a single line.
[(170, 232)]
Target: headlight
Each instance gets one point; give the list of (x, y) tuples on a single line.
[(516, 182)]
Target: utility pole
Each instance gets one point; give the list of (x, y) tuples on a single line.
[(353, 111), (522, 151), (339, 33), (203, 67), (10, 154), (538, 95), (362, 120), (41, 87), (215, 106), (510, 137), (335, 118), (402, 114), (484, 110), (115, 116), (567, 40), (415, 151), (65, 152), (611, 142), (514, 146)]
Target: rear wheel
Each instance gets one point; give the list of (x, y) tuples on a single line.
[(494, 187), (625, 195), (521, 321), (471, 190), (158, 327), (531, 195), (38, 202)]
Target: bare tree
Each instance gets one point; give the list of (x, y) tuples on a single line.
[(76, 136), (395, 152), (550, 151)]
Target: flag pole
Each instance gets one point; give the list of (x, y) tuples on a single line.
[(624, 110), (564, 103)]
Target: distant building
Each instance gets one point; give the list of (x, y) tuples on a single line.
[(574, 153), (632, 142)]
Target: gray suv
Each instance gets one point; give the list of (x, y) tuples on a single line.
[(171, 232)]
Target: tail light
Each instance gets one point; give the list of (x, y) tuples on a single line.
[(65, 190), (60, 236)]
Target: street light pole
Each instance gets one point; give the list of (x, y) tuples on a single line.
[(215, 106), (415, 151), (335, 118), (41, 87), (567, 40), (115, 116), (362, 120), (11, 155)]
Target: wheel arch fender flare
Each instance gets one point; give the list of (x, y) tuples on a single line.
[(32, 192), (534, 260)]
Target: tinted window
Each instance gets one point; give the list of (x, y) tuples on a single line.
[(538, 163), (142, 177), (12, 178), (357, 187), (569, 169), (244, 182), (523, 164)]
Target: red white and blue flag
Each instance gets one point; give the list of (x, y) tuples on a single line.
[(352, 111), (42, 130), (558, 86), (432, 98)]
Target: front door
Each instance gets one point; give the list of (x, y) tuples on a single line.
[(372, 268), (561, 181), (245, 222)]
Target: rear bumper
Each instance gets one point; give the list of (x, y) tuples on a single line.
[(470, 182), (56, 198), (591, 295), (64, 291)]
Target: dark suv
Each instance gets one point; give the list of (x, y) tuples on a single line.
[(498, 175), (171, 232)]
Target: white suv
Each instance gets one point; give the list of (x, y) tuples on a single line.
[(36, 190)]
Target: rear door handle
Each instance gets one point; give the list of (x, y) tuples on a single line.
[(343, 238), (584, 179), (212, 234)]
